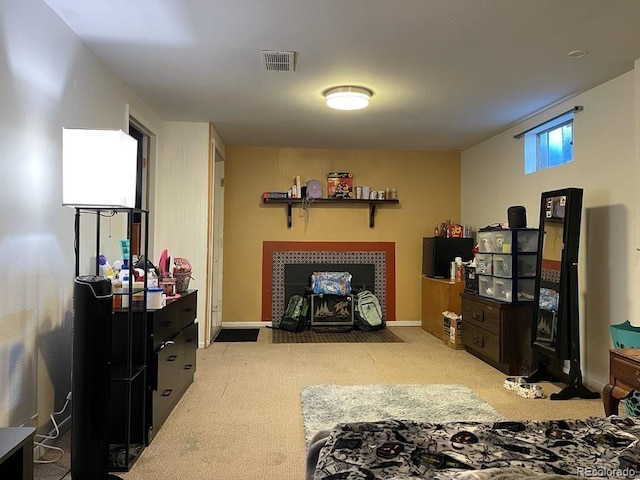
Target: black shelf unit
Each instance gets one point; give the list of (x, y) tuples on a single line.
[(290, 202), (128, 383)]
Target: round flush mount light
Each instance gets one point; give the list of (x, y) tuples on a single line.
[(347, 97)]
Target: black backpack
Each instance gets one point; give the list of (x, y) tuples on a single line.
[(368, 313), (294, 318)]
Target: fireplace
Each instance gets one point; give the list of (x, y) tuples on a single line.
[(286, 267)]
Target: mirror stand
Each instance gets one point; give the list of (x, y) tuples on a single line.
[(556, 332)]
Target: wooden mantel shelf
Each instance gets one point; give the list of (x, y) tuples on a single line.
[(289, 202)]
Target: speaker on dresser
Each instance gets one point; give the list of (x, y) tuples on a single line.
[(517, 216), (91, 378)]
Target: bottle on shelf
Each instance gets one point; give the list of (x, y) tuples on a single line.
[(458, 269), (124, 278), (116, 288), (152, 278)]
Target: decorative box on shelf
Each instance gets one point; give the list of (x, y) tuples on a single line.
[(340, 185)]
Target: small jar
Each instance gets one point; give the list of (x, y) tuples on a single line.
[(394, 194)]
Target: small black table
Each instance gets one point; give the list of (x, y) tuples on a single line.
[(16, 452)]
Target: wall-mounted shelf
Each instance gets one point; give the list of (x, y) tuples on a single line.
[(289, 202)]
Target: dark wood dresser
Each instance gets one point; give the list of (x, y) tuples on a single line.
[(498, 333), (624, 376)]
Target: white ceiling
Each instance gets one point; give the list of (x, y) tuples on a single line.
[(446, 74)]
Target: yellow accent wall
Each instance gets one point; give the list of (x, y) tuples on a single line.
[(428, 185)]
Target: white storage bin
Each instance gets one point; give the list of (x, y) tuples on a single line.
[(485, 286), (503, 289), (484, 263), (502, 266), (495, 241)]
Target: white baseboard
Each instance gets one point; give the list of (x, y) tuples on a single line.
[(245, 324), (405, 323), (396, 323)]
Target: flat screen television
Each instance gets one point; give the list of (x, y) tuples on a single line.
[(439, 252)]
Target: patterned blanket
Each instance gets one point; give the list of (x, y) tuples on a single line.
[(605, 447)]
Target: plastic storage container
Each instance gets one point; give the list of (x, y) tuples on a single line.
[(485, 286), (503, 241), (503, 289), (484, 264), (155, 298), (509, 258)]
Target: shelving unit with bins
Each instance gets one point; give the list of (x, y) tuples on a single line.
[(506, 264), (127, 420)]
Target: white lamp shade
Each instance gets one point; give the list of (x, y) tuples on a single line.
[(99, 168)]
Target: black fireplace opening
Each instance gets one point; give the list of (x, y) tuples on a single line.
[(297, 277)]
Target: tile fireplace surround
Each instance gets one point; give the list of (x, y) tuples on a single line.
[(275, 255)]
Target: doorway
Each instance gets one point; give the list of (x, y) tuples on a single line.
[(216, 234)]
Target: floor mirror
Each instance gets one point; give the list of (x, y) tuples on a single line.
[(556, 322)]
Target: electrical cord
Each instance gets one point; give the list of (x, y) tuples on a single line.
[(306, 204), (41, 443)]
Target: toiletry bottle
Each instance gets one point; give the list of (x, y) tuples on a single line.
[(124, 278), (458, 269), (152, 278)]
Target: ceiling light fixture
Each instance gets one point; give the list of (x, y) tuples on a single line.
[(348, 97)]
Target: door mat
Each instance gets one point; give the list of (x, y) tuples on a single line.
[(354, 336), (238, 335)]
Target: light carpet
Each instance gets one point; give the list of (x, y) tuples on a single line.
[(324, 406)]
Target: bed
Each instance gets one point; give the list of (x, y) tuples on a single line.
[(605, 447)]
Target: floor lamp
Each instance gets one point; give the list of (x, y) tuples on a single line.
[(99, 172)]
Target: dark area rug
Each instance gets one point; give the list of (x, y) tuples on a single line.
[(238, 335), (354, 336)]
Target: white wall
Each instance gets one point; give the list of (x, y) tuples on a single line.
[(49, 79), (181, 202), (604, 166)]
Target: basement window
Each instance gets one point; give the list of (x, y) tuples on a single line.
[(549, 144)]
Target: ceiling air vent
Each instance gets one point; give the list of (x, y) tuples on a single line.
[(277, 61)]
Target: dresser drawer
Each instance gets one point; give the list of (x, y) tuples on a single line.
[(481, 341), (481, 315), (623, 371), (168, 321)]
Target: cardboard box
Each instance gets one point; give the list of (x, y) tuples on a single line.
[(340, 185), (452, 330)]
